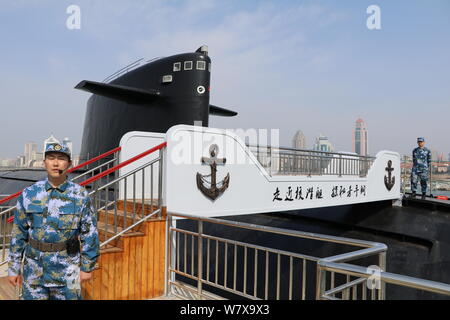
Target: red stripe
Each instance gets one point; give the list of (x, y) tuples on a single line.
[(10, 197), (95, 159), (123, 164)]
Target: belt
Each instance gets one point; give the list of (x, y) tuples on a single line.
[(48, 247)]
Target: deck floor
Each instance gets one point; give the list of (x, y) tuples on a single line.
[(7, 291)]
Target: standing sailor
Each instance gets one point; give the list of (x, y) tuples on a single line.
[(53, 217), (421, 167)]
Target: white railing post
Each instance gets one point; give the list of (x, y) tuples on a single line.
[(321, 282), (200, 258), (382, 265), (160, 179)]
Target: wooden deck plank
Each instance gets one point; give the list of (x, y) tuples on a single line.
[(96, 286), (7, 291), (144, 262), (138, 279), (105, 278), (161, 256), (112, 276), (132, 269), (118, 276), (125, 269), (156, 266), (151, 262)]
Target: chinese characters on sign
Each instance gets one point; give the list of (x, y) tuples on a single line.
[(311, 193)]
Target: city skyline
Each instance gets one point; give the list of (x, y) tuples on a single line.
[(280, 65), (32, 158), (299, 141)]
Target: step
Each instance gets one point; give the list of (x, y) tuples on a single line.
[(110, 249), (108, 215), (107, 232), (148, 206)]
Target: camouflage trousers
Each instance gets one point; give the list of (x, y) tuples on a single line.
[(415, 177), (38, 292)]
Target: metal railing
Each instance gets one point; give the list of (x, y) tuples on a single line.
[(128, 68), (205, 266), (5, 232), (96, 170), (289, 161), (373, 278), (106, 195), (110, 158), (227, 266), (120, 211), (7, 212), (438, 182)]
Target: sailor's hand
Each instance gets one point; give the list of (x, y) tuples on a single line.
[(15, 280), (85, 276)]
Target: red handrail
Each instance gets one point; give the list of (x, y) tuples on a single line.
[(95, 159), (104, 173), (10, 197), (107, 153), (123, 164)]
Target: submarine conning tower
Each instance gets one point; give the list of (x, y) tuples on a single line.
[(152, 97)]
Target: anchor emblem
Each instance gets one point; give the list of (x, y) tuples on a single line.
[(389, 181), (215, 189)]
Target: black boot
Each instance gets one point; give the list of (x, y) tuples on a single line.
[(423, 196), (413, 195)]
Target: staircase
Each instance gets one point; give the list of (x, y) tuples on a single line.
[(131, 228), (130, 267)]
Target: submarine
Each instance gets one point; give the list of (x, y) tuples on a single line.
[(176, 90), (153, 97)]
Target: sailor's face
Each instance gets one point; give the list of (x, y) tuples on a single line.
[(56, 164), (421, 144)]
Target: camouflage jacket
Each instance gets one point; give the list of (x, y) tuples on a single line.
[(421, 159), (53, 215)]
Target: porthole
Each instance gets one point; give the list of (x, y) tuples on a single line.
[(201, 65), (188, 65), (177, 66), (201, 89)]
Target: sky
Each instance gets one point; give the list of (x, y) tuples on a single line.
[(290, 65)]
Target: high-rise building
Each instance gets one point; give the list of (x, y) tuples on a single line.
[(299, 140), (360, 138), (30, 150), (323, 144)]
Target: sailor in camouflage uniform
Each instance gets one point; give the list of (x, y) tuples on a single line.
[(421, 167), (53, 218)]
